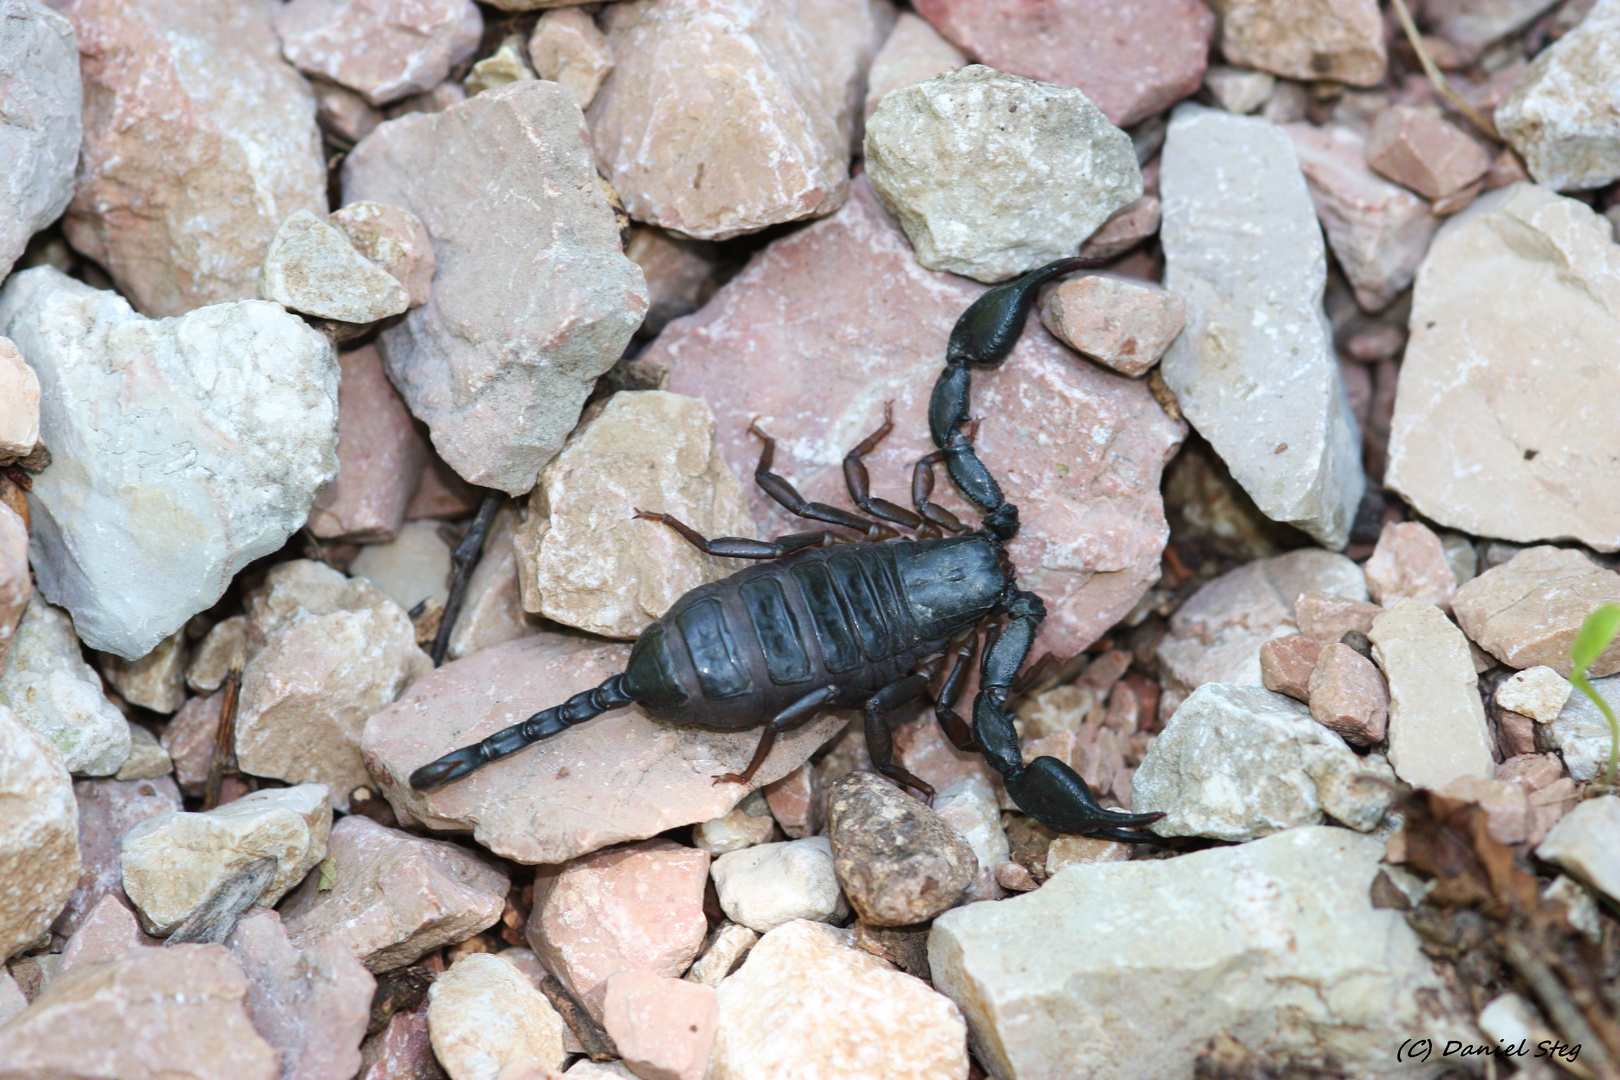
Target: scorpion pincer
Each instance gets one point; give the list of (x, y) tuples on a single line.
[(825, 622)]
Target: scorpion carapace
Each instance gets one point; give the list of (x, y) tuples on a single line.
[(825, 621)]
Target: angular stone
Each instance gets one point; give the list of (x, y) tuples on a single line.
[(1328, 618), (493, 610), (1416, 147), (109, 930), (1307, 966), (722, 953), (225, 645), (1563, 113), (1286, 665), (1539, 693), (748, 824), (386, 50), (1531, 771), (585, 558), (173, 862), (39, 850), (1083, 851), (1587, 844), (1499, 428), (19, 415), (1123, 324), (1378, 230), (623, 776), (500, 391), (969, 190), (1239, 762), (663, 1027), (311, 1005), (1527, 611), (1506, 805), (1132, 59), (203, 141), (1239, 90), (1437, 729), (770, 885), (1129, 226), (638, 907), (1348, 695), (183, 450), (40, 133), (190, 739), (1092, 531), (567, 48), (1581, 733), (107, 810), (394, 239), (972, 811), (51, 689), (1471, 25), (311, 267), (175, 1012), (484, 1016), (809, 1005), (412, 567), (680, 274), (897, 860), (1342, 40), (401, 1051), (394, 897), (147, 759), (722, 119), (333, 652), (1254, 371), (504, 66), (1410, 561), (913, 52), (342, 112), (16, 580), (156, 681)]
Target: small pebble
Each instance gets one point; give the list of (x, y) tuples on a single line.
[(768, 885)]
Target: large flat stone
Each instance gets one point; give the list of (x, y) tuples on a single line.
[(40, 130)]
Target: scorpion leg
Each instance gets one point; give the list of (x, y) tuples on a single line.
[(922, 486), (1046, 789), (740, 547), (778, 488), (950, 692), (859, 481), (465, 558), (796, 714), (880, 741)]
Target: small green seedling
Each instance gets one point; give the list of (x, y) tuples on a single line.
[(1595, 635)]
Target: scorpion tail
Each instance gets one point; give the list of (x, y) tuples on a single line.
[(583, 706)]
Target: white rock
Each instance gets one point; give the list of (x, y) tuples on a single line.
[(39, 836), (988, 199), (484, 1015), (1581, 733), (747, 824), (1437, 729), (808, 1005), (1539, 693), (1255, 370), (183, 449), (723, 951), (1239, 762), (52, 690), (172, 862), (1509, 1019), (412, 567), (769, 885), (1580, 906), (156, 681), (311, 267), (39, 127), (1275, 941), (1501, 425), (19, 402), (971, 808), (913, 52), (1563, 113), (1587, 844)]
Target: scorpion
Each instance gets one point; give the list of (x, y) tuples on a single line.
[(827, 622)]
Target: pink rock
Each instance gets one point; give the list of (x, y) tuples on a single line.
[(638, 907), (1505, 804), (16, 583), (200, 142), (928, 755), (1014, 877), (395, 897), (620, 777), (1121, 324), (1549, 805), (1133, 58), (912, 52), (1527, 611), (310, 1004), (380, 457), (19, 403), (1515, 733), (189, 739), (1348, 695), (1416, 147), (342, 112), (493, 609), (566, 47), (442, 494), (1286, 664), (107, 931), (1410, 561), (393, 238), (1129, 226), (1531, 771), (107, 810), (840, 314), (402, 1050), (663, 1027), (385, 49), (1328, 618), (794, 804), (680, 274)]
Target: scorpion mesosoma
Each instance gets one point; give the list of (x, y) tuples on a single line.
[(825, 622)]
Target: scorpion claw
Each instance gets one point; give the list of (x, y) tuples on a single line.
[(1054, 794)]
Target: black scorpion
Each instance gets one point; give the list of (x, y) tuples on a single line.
[(833, 623)]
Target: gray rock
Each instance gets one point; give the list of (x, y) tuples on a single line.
[(1255, 370), (411, 568), (971, 808), (1587, 844), (1471, 25), (769, 885), (1239, 762), (896, 860), (311, 267), (40, 128), (1581, 732), (51, 689), (501, 357), (993, 174), (1275, 940), (183, 449), (39, 847)]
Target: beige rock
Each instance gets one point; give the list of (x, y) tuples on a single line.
[(39, 848), (748, 824), (506, 65), (1586, 843), (1239, 90), (567, 48), (157, 680), (770, 885), (485, 1016), (585, 559), (1416, 147), (172, 862), (1342, 40), (386, 50), (722, 953), (413, 567), (721, 119), (810, 1005), (972, 809), (312, 268), (1527, 611), (898, 862), (913, 52), (1328, 618), (202, 144), (1506, 805), (1068, 851), (225, 644), (333, 652), (147, 759), (1286, 664), (107, 810), (492, 612), (150, 1014), (1538, 692), (663, 1027), (1348, 695), (1122, 324), (1410, 561), (395, 897), (394, 239), (1499, 429), (19, 392), (16, 580), (1437, 729)]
